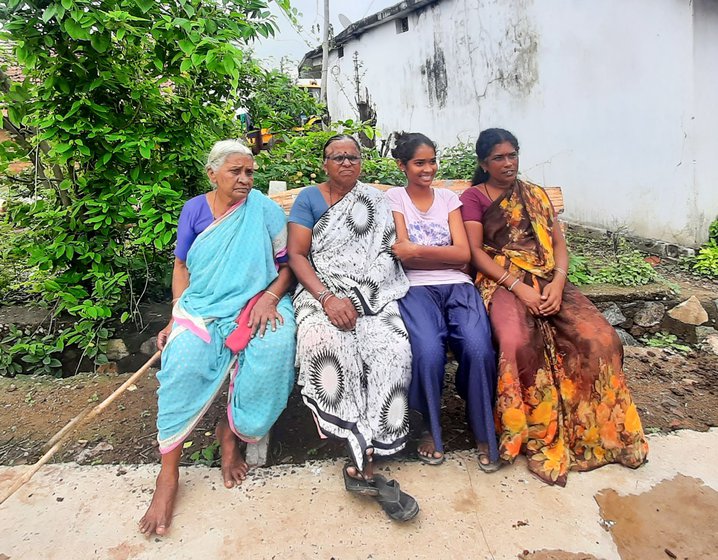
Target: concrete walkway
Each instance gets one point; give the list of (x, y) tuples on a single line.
[(68, 511)]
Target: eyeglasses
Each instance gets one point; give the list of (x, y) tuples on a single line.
[(353, 160), (513, 156)]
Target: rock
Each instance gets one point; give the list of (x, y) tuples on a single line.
[(649, 314), (626, 339), (690, 312), (110, 368), (613, 315), (116, 349), (149, 346), (87, 454), (710, 343), (12, 388)]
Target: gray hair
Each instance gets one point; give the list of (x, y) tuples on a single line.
[(219, 152)]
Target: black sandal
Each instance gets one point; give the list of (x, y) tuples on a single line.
[(398, 505), (360, 485)]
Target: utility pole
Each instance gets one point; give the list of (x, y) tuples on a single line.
[(325, 54)]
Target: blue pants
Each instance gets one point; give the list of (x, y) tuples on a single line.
[(453, 313)]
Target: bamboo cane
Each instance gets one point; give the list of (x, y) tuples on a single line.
[(87, 414)]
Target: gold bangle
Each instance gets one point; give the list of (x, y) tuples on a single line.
[(275, 296), (561, 270), (511, 287)]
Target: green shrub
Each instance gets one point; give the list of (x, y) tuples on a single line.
[(706, 261), (29, 352), (457, 162)]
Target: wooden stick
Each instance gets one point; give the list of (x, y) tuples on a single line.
[(87, 414)]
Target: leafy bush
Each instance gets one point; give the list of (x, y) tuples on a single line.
[(579, 272), (297, 159), (668, 341), (611, 263), (706, 261), (627, 269), (122, 100), (457, 162), (26, 352), (279, 105)]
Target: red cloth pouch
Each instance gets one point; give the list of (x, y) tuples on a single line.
[(239, 339)]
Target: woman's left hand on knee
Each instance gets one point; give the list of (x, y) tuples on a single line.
[(264, 313)]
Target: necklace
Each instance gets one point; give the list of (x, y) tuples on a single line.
[(486, 190)]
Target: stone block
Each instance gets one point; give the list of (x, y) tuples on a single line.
[(276, 187), (626, 339), (649, 314), (690, 312), (613, 314), (149, 346), (116, 349), (257, 452)]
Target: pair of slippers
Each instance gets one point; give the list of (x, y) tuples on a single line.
[(485, 463), (397, 504)]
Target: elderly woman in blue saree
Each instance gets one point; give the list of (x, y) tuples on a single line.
[(230, 257)]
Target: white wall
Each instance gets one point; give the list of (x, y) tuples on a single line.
[(611, 101)]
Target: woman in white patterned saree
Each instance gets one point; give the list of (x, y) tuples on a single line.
[(353, 350)]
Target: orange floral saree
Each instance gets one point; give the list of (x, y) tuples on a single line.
[(562, 397)]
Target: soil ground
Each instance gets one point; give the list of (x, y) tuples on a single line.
[(672, 391)]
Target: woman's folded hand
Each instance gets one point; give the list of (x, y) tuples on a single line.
[(530, 297), (551, 298), (341, 312), (263, 314)]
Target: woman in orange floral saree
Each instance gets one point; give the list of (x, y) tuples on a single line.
[(562, 397)]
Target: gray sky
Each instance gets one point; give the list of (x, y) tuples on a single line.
[(289, 42)]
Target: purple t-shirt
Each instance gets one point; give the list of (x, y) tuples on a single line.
[(430, 228), (195, 217)]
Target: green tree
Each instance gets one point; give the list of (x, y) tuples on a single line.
[(122, 100), (277, 104)]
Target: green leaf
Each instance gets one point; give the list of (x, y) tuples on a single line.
[(145, 151), (145, 5), (186, 46), (100, 42), (50, 11), (67, 4), (186, 65), (124, 317), (75, 30)]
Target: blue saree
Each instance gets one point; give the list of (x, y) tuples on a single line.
[(229, 262)]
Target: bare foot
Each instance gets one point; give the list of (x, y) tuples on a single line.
[(427, 448), (158, 517), (234, 467), (368, 472)]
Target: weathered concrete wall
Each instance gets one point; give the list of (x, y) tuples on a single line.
[(612, 101)]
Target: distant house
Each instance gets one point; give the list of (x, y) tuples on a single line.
[(613, 101)]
